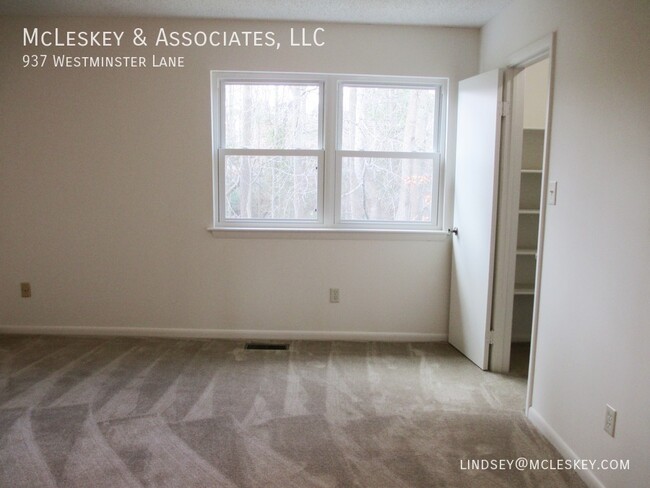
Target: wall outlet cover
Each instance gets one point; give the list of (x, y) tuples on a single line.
[(25, 290), (334, 295)]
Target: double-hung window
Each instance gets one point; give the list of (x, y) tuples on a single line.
[(326, 151), (387, 162), (270, 152)]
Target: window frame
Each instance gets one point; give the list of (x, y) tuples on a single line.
[(364, 82), (329, 152), (220, 151)]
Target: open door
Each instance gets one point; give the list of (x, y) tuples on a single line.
[(475, 205)]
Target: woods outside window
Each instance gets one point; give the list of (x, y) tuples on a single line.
[(327, 151)]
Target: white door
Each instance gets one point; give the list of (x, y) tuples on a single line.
[(475, 198)]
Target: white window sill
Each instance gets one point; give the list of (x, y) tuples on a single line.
[(327, 233)]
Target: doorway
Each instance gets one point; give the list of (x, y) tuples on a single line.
[(499, 209), (535, 96), (523, 197)]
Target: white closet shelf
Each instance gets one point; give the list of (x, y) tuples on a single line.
[(531, 171), (528, 211), (524, 290), (526, 252)]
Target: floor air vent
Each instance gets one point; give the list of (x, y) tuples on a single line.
[(264, 346)]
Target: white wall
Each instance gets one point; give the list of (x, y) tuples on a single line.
[(105, 191), (594, 324)]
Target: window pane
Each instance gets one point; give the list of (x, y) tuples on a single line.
[(271, 116), (388, 119), (387, 189), (271, 187)]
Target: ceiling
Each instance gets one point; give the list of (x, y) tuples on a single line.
[(461, 13)]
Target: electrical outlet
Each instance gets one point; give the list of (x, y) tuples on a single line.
[(334, 295), (610, 420), (25, 290)]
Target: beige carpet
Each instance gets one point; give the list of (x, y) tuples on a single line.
[(114, 412)]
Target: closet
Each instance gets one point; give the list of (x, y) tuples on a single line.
[(536, 83), (527, 234), (499, 189)]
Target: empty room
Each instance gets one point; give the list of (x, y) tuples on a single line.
[(301, 244)]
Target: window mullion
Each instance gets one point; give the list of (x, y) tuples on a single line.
[(386, 154), (271, 152), (329, 143)]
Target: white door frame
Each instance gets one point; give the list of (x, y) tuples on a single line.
[(511, 151), (505, 256)]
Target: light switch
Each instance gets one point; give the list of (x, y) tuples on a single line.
[(552, 193)]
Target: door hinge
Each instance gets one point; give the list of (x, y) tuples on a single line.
[(490, 337), (504, 109)]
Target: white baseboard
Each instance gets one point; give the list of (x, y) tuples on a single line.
[(226, 333), (554, 438)]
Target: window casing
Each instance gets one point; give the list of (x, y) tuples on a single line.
[(391, 180)]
